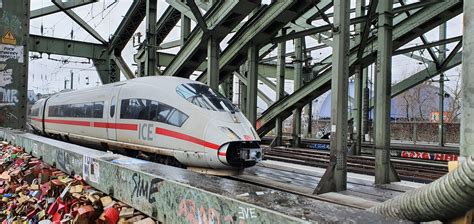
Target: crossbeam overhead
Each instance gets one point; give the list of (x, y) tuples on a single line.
[(48, 10)]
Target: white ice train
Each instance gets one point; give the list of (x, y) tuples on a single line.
[(165, 116)]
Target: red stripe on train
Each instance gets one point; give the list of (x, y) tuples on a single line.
[(68, 122), (121, 126), (134, 127), (177, 135)]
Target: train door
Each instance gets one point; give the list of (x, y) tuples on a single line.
[(112, 115)]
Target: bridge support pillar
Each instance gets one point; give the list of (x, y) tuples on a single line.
[(280, 86), (185, 28), (335, 177), (150, 44), (467, 90), (14, 33), (384, 171), (358, 85), (213, 63), (252, 83), (298, 82)]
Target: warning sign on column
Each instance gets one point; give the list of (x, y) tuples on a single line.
[(11, 52), (8, 38)]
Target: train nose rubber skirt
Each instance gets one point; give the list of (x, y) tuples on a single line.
[(448, 197)]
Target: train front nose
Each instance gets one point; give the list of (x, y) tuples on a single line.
[(238, 143), (240, 153)]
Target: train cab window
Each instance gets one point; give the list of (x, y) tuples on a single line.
[(205, 97), (142, 109)]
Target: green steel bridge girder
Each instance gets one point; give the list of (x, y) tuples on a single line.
[(52, 45), (48, 10), (405, 31), (220, 21), (259, 30)]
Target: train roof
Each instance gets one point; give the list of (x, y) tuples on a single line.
[(162, 82)]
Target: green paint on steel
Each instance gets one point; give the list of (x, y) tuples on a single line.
[(14, 31)]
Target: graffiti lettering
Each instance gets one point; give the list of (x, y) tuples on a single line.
[(144, 188), (247, 213), (429, 156), (206, 215), (8, 97)]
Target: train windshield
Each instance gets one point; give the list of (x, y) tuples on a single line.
[(205, 97)]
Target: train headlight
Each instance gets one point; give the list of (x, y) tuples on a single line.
[(231, 134)]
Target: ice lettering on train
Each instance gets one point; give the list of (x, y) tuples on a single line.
[(145, 132)]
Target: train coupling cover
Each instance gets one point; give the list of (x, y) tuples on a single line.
[(254, 154)]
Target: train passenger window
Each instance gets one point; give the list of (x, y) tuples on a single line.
[(88, 109), (98, 110), (205, 97), (78, 110), (142, 109), (34, 112)]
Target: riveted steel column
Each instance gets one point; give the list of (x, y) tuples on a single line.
[(228, 87), (14, 34), (150, 44), (358, 86), (357, 110), (365, 102), (467, 90), (383, 82), (213, 62), (335, 177), (280, 85), (441, 57), (252, 83), (185, 28), (298, 82), (243, 91)]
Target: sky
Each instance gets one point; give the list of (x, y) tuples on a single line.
[(47, 75)]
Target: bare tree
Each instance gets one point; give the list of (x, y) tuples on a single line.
[(418, 101), (454, 106)]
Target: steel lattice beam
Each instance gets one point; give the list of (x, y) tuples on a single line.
[(405, 31), (221, 19), (132, 19), (260, 29), (166, 23), (51, 45)]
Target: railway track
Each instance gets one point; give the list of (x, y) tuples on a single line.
[(409, 170), (324, 143)]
